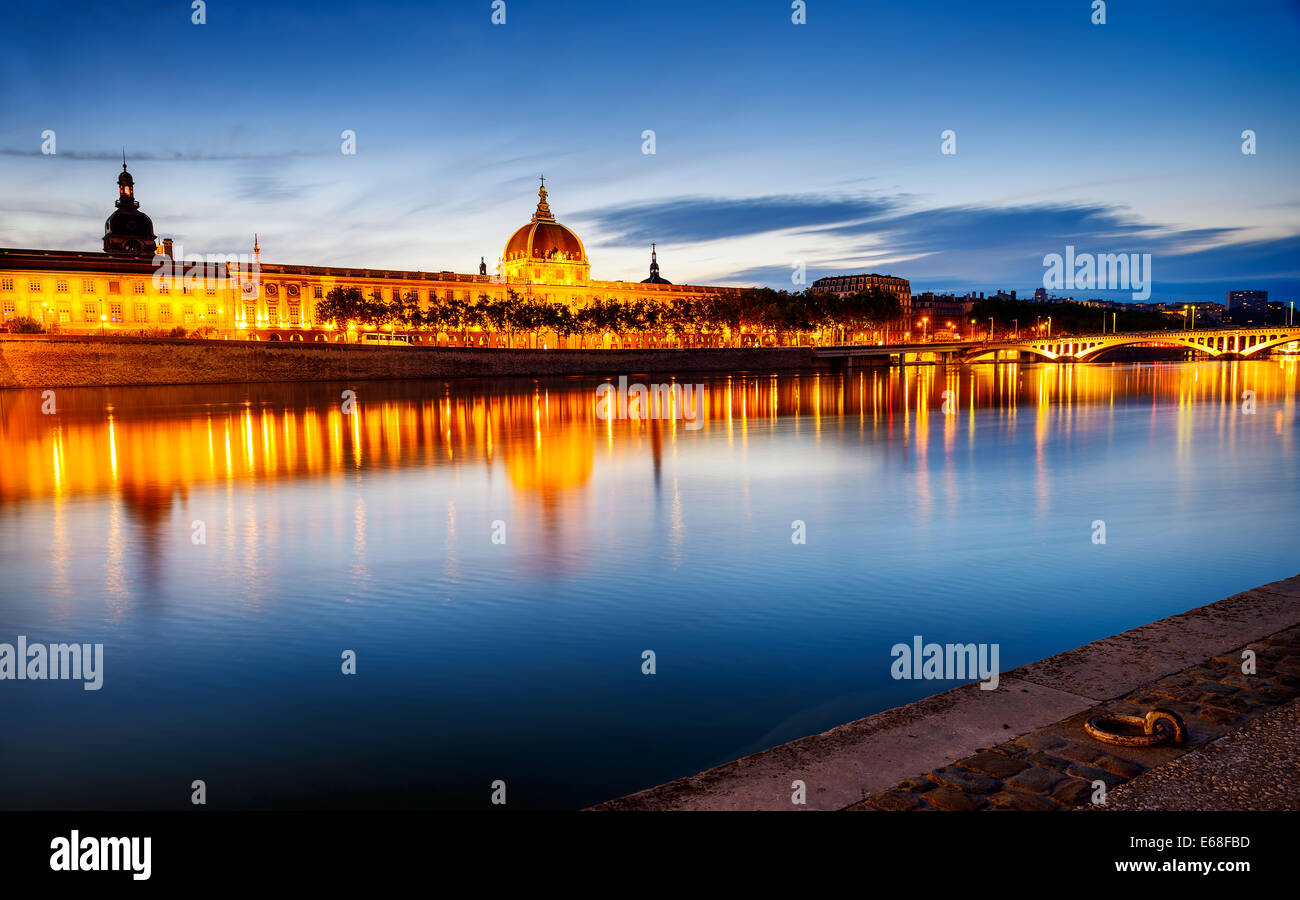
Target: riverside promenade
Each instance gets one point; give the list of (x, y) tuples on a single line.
[(1023, 746)]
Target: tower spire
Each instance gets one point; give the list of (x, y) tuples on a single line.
[(543, 208)]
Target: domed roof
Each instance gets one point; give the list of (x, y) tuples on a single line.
[(544, 238), (127, 231), (130, 222)]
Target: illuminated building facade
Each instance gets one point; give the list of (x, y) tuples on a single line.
[(136, 284), (844, 285)]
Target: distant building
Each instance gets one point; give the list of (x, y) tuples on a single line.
[(942, 306), (844, 285), (1204, 309), (1255, 301), (1040, 295)]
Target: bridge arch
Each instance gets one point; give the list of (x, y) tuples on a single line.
[(1272, 342), (1244, 344), (976, 353), (1147, 341)]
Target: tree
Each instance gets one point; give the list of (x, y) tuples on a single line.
[(343, 305), (25, 325)]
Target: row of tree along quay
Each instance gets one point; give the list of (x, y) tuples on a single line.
[(758, 317)]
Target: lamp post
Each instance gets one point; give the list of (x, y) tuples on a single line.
[(1049, 328), (1015, 328), (990, 328)]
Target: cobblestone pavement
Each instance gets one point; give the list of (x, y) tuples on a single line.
[(1257, 767), (1054, 767)]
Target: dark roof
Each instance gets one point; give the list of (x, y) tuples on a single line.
[(74, 261)]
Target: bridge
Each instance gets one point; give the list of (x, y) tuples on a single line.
[(1218, 343)]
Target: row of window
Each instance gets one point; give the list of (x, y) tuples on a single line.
[(273, 315), (112, 312), (271, 289), (36, 286)]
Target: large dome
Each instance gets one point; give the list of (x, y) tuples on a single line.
[(544, 238)]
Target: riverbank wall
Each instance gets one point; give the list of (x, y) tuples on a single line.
[(52, 361)]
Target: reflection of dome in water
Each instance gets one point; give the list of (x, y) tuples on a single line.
[(559, 460)]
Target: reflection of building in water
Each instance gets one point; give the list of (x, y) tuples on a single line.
[(150, 506), (153, 442), (559, 459)]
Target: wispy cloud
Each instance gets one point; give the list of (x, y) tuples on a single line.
[(693, 219), (154, 156)]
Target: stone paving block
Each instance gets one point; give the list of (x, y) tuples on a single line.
[(916, 785), (1121, 767), (1038, 740), (966, 780), (1078, 752), (995, 764), (1036, 779), (1072, 792), (1048, 761), (1218, 717), (894, 801), (1235, 704), (1213, 687), (952, 799), (1092, 773), (1162, 694), (1021, 800)]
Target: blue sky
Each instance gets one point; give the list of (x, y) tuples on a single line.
[(775, 143)]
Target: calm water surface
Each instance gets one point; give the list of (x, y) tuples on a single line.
[(522, 661)]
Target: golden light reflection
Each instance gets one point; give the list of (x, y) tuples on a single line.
[(156, 441)]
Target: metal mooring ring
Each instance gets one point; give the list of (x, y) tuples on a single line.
[(1158, 726)]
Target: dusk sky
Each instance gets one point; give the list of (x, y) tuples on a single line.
[(775, 143)]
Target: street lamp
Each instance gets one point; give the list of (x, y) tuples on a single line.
[(1049, 327), (1015, 328), (990, 328), (102, 319)]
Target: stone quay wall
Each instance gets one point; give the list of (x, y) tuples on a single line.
[(50, 361)]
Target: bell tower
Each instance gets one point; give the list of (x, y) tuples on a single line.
[(128, 232)]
